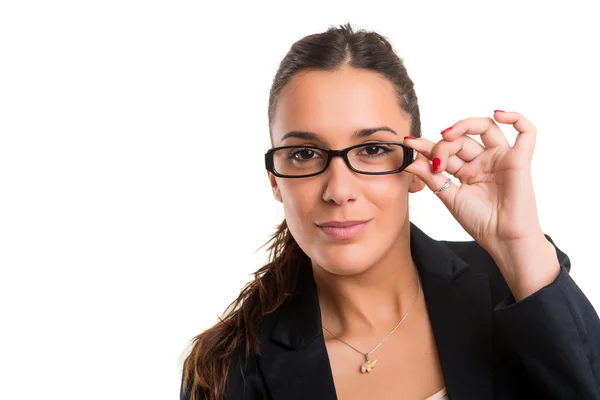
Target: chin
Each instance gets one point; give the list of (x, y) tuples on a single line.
[(344, 260)]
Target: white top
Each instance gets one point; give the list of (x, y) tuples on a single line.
[(441, 395)]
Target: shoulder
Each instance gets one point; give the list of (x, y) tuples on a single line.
[(480, 262), (243, 380)]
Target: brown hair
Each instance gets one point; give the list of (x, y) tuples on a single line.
[(206, 368)]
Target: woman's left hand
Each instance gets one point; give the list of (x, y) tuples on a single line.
[(495, 202)]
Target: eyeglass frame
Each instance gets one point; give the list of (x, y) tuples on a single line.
[(408, 158)]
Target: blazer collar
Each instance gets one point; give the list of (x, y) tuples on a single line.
[(294, 358)]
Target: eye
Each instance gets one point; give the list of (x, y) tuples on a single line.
[(302, 154), (375, 150)]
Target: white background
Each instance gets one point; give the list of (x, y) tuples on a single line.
[(133, 193)]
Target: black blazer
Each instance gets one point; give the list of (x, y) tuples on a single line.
[(545, 346)]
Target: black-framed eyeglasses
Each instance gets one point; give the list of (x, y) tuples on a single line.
[(374, 158)]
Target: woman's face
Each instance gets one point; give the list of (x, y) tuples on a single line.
[(334, 105)]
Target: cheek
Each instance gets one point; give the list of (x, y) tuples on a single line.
[(387, 191), (299, 198), (300, 205)]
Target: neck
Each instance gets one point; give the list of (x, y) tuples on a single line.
[(372, 302)]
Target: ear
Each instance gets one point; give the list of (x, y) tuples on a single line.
[(416, 184), (274, 187)]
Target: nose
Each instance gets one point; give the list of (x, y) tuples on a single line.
[(340, 186)]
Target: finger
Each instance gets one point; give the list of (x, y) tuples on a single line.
[(421, 168), (490, 133), (464, 149), (525, 141), (450, 162)]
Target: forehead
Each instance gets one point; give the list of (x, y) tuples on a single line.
[(335, 104)]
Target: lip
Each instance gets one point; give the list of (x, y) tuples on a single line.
[(343, 229)]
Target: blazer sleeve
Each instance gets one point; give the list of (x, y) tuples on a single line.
[(556, 333)]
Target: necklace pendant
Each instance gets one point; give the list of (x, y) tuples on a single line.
[(367, 366)]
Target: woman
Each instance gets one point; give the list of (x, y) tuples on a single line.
[(356, 302)]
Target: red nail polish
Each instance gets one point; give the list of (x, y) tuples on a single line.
[(446, 130), (436, 164), (409, 137), (499, 111)]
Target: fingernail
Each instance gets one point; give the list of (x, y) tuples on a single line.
[(409, 137), (446, 130), (499, 111), (436, 164)]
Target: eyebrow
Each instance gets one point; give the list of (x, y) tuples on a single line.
[(359, 134)]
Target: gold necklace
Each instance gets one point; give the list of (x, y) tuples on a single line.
[(368, 365)]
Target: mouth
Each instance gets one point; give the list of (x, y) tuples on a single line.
[(343, 229)]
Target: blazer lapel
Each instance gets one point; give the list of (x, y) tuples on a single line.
[(294, 359), (459, 306)]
